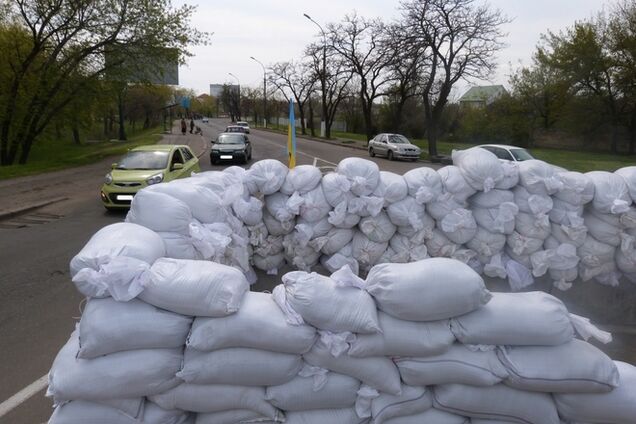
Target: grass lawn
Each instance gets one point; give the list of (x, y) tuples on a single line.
[(51, 156)]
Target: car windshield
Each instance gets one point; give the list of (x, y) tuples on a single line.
[(521, 154), (230, 139), (144, 160), (235, 129), (242, 124), (398, 139)]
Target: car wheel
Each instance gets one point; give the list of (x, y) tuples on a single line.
[(389, 155), (213, 161), (371, 152)]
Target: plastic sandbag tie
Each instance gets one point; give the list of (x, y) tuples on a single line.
[(480, 347), (458, 219), (366, 394), (121, 277), (553, 184), (562, 285), (293, 205), (541, 261), (336, 343), (587, 330), (304, 233), (209, 243), (280, 297), (489, 184), (318, 374), (338, 214), (539, 205), (619, 206), (345, 277), (519, 276), (424, 195), (496, 267)]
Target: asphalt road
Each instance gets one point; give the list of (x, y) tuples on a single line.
[(39, 305)]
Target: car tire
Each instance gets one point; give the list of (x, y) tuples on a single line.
[(389, 155), (213, 161), (371, 152)]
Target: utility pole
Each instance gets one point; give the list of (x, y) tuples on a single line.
[(264, 90), (239, 95), (323, 79)]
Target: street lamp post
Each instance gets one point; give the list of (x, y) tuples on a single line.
[(264, 90), (323, 78), (238, 109)]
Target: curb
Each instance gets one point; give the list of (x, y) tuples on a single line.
[(13, 212)]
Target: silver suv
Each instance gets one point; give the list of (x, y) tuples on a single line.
[(393, 146)]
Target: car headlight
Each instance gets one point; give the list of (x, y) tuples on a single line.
[(155, 179), (216, 151), (108, 179)]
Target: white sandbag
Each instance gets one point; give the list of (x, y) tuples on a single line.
[(407, 212), (276, 227), (628, 174), (114, 261), (266, 176), (481, 168), (365, 251), (497, 220), (128, 374), (566, 213), (153, 413), (240, 366), (438, 245), (444, 204), (595, 254), (365, 205), (601, 230), (453, 182), (535, 204), (301, 179), (531, 318), (227, 184), (363, 175), (491, 199), (335, 304), (453, 288), (270, 263), (277, 205), (486, 243), (575, 235), (523, 245), (81, 412), (432, 415), (179, 246), (573, 367), (495, 402), (615, 407), (258, 324), (459, 226), (403, 338), (198, 288), (175, 216), (335, 240), (625, 220), (424, 184), (339, 259), (611, 194), (215, 398), (459, 364), (510, 175), (411, 401), (378, 372), (205, 204), (314, 206), (625, 263), (109, 326), (336, 188), (248, 209), (406, 249), (577, 188), (340, 217), (322, 416), (539, 177), (392, 188), (303, 393), (306, 231), (234, 416), (532, 226), (378, 228)]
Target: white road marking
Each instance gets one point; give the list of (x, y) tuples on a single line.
[(301, 153), (23, 395)]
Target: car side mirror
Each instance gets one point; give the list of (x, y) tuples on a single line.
[(113, 165), (177, 166)]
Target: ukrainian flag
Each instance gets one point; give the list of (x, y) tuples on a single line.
[(291, 136)]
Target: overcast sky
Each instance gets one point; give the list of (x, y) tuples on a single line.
[(275, 30)]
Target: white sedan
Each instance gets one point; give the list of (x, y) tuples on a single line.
[(393, 146), (509, 153)]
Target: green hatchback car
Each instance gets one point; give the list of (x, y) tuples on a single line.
[(144, 166)]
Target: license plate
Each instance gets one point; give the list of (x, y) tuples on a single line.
[(226, 156), (124, 197)]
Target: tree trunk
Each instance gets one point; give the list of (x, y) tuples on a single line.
[(76, 134), (311, 119), (122, 121), (301, 115)]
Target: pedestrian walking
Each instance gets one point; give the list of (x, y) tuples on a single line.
[(184, 126), (191, 125)]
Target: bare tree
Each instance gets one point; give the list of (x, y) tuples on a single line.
[(297, 79), (337, 79), (363, 46), (459, 40)]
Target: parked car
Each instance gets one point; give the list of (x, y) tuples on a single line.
[(393, 146), (509, 153), (236, 129), (231, 146), (205, 119), (144, 166), (244, 125)]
